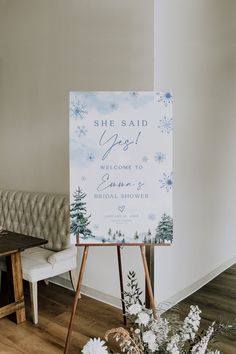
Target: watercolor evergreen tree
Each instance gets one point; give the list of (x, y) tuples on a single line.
[(78, 214), (164, 231), (136, 236)]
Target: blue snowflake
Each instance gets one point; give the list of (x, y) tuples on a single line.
[(81, 131), (134, 94), (152, 216), (78, 109), (113, 106), (167, 181), (91, 157), (166, 125), (160, 157), (165, 97), (145, 159)]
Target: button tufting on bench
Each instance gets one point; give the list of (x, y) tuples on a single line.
[(41, 215), (37, 214)]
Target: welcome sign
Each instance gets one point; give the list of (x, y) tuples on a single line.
[(121, 167)]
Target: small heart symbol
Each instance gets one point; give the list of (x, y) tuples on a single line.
[(121, 208)]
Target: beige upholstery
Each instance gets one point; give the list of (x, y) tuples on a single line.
[(41, 215), (37, 214)]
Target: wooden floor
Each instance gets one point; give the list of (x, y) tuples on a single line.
[(216, 300)]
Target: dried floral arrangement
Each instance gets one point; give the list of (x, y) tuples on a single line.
[(161, 334)]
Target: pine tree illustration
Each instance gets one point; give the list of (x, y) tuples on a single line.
[(164, 231), (136, 236), (149, 236), (79, 219)]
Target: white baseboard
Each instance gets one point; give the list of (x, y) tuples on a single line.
[(181, 295), (99, 295), (88, 291)]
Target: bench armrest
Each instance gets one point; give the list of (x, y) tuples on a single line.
[(62, 255)]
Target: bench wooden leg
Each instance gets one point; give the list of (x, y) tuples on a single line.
[(17, 303), (34, 301), (18, 285)]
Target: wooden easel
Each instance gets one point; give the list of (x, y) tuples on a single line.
[(81, 274)]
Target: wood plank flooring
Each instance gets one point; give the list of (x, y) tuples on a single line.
[(216, 300)]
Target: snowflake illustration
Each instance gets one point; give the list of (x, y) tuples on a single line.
[(152, 216), (159, 157), (81, 131), (165, 97), (145, 159), (134, 94), (166, 125), (114, 106), (78, 109), (96, 226), (83, 178), (167, 181), (91, 157)]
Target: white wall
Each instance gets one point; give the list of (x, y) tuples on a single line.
[(196, 59), (51, 47)]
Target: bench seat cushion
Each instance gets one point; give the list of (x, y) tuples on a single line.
[(36, 266)]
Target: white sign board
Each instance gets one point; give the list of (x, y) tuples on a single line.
[(121, 167)]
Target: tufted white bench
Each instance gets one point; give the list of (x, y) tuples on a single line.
[(45, 216)]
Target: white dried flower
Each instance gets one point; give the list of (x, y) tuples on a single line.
[(143, 318), (191, 323), (95, 346), (172, 346), (201, 347), (134, 309), (149, 337), (153, 347), (161, 328)]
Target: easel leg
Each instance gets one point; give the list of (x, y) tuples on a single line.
[(76, 298), (148, 280), (149, 251), (121, 283)]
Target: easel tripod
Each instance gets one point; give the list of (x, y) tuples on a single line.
[(81, 274)]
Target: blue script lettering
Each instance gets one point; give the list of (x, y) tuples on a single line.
[(114, 140), (106, 183)]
